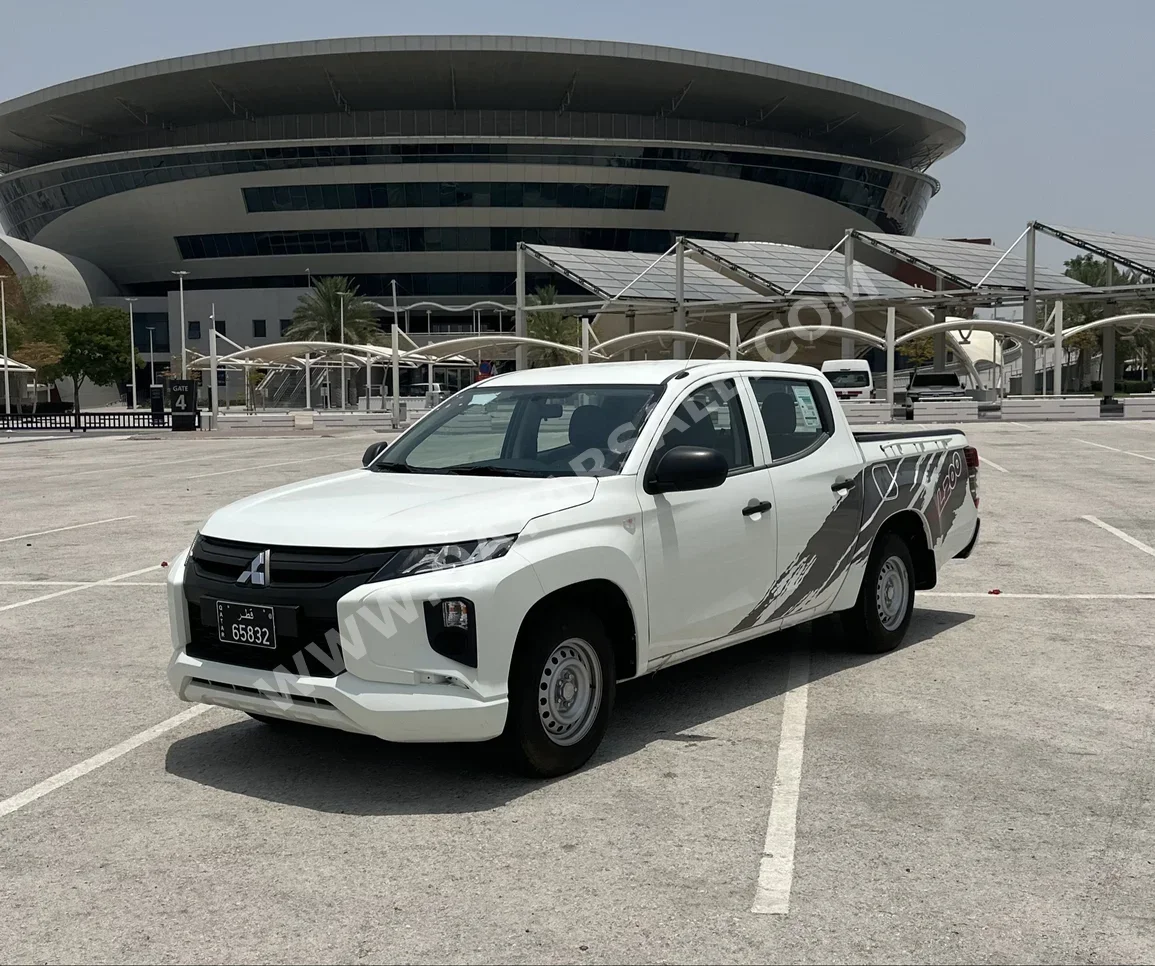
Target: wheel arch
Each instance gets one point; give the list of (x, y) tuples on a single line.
[(609, 603), (911, 526)]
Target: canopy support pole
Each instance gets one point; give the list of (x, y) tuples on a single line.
[(521, 358), (733, 335), (1030, 312), (214, 392), (1057, 364), (890, 321), (679, 349), (396, 376)]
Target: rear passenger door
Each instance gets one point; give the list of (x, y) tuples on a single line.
[(816, 474)]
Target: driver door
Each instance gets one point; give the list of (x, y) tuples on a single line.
[(710, 554)]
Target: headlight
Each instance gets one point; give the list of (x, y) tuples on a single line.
[(421, 560)]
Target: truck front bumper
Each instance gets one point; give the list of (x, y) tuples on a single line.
[(348, 703)]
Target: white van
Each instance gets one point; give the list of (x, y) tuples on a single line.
[(850, 378)]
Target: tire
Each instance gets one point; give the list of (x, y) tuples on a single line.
[(561, 691), (879, 619)]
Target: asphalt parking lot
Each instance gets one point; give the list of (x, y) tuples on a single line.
[(983, 794)]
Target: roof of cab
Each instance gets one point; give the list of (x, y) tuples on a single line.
[(648, 373)]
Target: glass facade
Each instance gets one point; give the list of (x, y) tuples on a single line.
[(376, 286), (484, 239), (142, 322), (892, 200), (454, 194)]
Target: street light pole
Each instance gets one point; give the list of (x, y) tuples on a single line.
[(4, 326), (151, 360), (183, 348), (131, 350)]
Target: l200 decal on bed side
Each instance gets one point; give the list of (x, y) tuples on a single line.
[(932, 483)]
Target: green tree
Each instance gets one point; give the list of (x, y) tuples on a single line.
[(920, 351), (44, 358), (95, 347), (1093, 271), (28, 306), (317, 317), (552, 326)]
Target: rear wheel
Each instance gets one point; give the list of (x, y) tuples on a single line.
[(561, 691), (878, 621)]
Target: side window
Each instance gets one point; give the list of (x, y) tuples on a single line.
[(795, 412), (711, 416)]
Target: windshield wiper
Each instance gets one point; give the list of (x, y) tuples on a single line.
[(474, 470), (392, 468)]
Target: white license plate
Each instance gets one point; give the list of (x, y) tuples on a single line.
[(250, 624)]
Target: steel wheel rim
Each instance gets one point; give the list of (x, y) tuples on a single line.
[(892, 592), (569, 691)]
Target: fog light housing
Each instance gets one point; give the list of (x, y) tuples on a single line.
[(455, 614), (452, 630)]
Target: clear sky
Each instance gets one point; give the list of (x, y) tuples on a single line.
[(1056, 95)]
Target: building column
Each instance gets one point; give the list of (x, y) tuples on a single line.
[(1057, 350)]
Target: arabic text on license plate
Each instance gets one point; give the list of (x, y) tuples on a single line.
[(250, 624)]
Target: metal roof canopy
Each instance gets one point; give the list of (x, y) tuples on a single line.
[(1133, 251), (968, 265), (792, 270), (645, 277)]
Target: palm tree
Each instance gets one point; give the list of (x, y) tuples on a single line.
[(551, 326), (317, 317)]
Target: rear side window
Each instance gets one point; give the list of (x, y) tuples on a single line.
[(795, 413), (710, 416)]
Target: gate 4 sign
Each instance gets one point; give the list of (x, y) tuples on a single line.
[(183, 393)]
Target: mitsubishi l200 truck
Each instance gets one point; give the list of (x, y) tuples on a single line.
[(543, 535)]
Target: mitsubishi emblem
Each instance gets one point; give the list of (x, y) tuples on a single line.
[(258, 571)]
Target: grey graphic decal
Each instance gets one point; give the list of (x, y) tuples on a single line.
[(935, 484)]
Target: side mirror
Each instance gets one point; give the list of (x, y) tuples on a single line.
[(688, 468), (374, 450)]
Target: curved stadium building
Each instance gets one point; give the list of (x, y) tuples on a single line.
[(425, 160)]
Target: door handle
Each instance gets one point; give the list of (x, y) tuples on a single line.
[(839, 486), (755, 506)]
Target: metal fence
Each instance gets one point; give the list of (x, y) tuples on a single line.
[(87, 421)]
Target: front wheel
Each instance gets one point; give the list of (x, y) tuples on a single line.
[(879, 619), (561, 690)]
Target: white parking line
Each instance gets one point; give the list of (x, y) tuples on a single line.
[(1126, 537), (1140, 455), (994, 465), (79, 583), (1100, 445), (73, 590), (75, 526), (776, 870), (263, 466), (1000, 595), (28, 796)]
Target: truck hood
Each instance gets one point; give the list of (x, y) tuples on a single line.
[(362, 509)]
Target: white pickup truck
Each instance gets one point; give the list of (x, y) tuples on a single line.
[(543, 535)]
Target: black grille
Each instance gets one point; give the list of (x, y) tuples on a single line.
[(303, 587)]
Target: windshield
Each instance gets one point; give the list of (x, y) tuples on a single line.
[(525, 431), (947, 379), (848, 378)]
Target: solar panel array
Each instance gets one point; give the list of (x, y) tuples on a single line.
[(606, 273), (784, 266), (1136, 249), (969, 262)]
